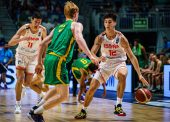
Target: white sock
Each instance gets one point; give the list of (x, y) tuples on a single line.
[(18, 102), (119, 101), (41, 103), (41, 95), (39, 110), (84, 108)]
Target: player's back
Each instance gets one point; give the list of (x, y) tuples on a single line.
[(81, 63), (62, 43)]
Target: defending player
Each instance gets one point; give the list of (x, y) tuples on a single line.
[(82, 69), (59, 53)]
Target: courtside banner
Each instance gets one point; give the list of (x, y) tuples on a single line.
[(11, 76), (167, 80)]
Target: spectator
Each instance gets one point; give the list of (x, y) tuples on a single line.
[(157, 74), (6, 57), (140, 52)]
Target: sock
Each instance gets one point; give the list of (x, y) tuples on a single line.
[(84, 108), (41, 103), (39, 110), (119, 101), (18, 102), (41, 95)]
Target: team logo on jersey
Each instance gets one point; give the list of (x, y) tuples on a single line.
[(39, 34), (111, 46), (117, 40)]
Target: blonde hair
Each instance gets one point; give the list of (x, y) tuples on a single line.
[(70, 9)]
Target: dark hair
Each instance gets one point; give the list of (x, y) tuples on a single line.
[(92, 67), (111, 15), (36, 15)]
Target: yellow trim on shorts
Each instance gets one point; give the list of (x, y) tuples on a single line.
[(61, 59), (73, 69), (58, 73)]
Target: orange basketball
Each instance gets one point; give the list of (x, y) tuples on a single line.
[(143, 95)]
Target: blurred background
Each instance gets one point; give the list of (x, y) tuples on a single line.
[(145, 23)]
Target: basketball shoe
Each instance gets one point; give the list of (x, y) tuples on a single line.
[(119, 111), (17, 109), (81, 115)]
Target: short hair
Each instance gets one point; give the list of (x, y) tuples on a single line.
[(70, 9), (36, 15), (92, 67), (111, 15)]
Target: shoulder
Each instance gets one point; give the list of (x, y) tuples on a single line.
[(76, 25), (43, 28), (123, 40)]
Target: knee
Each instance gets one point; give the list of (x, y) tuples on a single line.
[(122, 77), (20, 79)]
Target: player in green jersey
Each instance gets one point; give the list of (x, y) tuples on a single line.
[(82, 69), (59, 53)]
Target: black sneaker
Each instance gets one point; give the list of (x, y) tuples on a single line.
[(33, 108), (119, 111), (35, 117), (81, 115)]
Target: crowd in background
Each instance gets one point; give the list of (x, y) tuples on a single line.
[(151, 64)]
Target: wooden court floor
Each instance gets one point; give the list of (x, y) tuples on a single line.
[(101, 110)]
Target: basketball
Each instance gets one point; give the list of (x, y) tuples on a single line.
[(143, 95)]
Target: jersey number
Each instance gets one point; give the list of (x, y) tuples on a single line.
[(30, 44), (83, 61), (112, 53)]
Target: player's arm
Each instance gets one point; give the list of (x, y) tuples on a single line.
[(96, 46), (104, 89), (82, 84), (16, 38), (43, 44), (44, 35), (77, 31), (133, 59)]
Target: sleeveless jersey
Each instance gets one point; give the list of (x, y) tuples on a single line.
[(80, 63), (62, 43), (112, 50), (30, 47)]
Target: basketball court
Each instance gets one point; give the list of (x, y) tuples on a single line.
[(101, 110)]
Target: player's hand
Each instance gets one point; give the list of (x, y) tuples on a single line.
[(102, 58), (94, 60), (104, 93), (144, 82), (38, 68)]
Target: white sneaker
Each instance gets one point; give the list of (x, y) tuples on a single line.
[(17, 109)]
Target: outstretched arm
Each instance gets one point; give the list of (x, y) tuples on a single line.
[(133, 59), (82, 84), (77, 31)]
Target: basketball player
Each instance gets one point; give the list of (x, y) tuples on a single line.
[(82, 69), (59, 53), (114, 47), (28, 38), (37, 85)]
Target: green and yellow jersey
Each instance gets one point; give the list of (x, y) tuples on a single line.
[(81, 63), (62, 43), (59, 52)]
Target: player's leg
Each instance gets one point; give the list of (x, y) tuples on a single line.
[(37, 84), (18, 89), (3, 75), (120, 74), (101, 76)]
